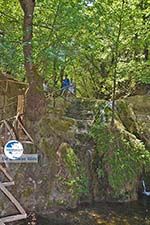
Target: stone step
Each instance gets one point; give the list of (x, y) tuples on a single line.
[(82, 137), (88, 104), (145, 117), (81, 127), (81, 132), (81, 115), (81, 106), (84, 124)]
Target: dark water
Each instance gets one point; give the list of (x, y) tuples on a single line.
[(134, 213)]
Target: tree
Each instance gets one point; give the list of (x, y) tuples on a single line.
[(28, 9), (78, 37), (35, 98), (115, 61)]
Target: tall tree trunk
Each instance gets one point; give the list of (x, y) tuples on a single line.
[(115, 59), (35, 102)]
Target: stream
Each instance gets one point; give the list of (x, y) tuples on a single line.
[(133, 213)]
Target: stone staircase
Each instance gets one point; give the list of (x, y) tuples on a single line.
[(82, 111)]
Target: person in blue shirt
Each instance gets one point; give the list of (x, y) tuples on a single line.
[(66, 81), (65, 84)]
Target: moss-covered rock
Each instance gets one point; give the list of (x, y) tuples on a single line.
[(69, 180), (141, 108), (121, 152), (75, 164), (127, 116)]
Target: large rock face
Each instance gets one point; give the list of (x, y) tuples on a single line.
[(74, 166), (141, 108)]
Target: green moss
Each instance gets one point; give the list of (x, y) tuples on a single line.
[(60, 125), (47, 148), (27, 192), (140, 103), (123, 158), (53, 131), (55, 126), (73, 180), (127, 116)]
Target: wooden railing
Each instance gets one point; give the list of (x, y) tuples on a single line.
[(22, 214)]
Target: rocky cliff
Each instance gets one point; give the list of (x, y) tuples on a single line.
[(81, 158)]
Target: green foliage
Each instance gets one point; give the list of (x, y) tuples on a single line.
[(79, 38), (124, 155), (127, 161), (77, 182), (71, 161), (11, 38), (102, 135)]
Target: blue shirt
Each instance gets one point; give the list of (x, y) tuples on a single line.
[(66, 82)]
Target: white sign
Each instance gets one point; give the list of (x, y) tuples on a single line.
[(13, 149)]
